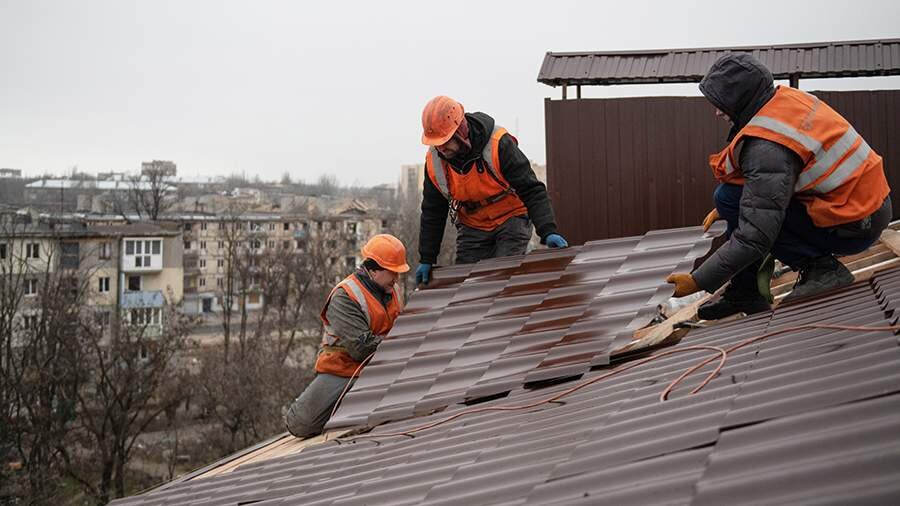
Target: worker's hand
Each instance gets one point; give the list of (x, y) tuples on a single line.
[(423, 274), (556, 241), (711, 218), (684, 284)]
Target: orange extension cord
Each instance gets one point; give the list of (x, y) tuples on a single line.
[(722, 353)]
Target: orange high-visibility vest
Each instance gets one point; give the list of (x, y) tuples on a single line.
[(481, 199), (331, 359), (842, 179)]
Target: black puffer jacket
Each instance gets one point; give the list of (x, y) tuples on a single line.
[(515, 167), (740, 86)]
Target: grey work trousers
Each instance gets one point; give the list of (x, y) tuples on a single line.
[(309, 412), (510, 238)]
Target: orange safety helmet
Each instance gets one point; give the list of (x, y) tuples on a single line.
[(387, 251), (440, 119)]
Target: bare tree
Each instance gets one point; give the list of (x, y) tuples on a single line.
[(147, 196), (253, 375), (76, 390), (39, 367), (131, 377)]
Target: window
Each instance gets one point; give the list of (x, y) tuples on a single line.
[(299, 244), (30, 322), (221, 244), (287, 226), (134, 283), (220, 282), (286, 244), (270, 244), (103, 285), (254, 244), (129, 247), (271, 226), (351, 227), (221, 226), (202, 263), (68, 255), (188, 227), (144, 316), (105, 250), (187, 245), (203, 226), (220, 262), (102, 318), (255, 226), (32, 250), (331, 243), (384, 223), (202, 282), (2, 252), (320, 225), (31, 287), (202, 244), (157, 247)]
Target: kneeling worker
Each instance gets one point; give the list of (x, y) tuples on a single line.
[(358, 313), (796, 181)]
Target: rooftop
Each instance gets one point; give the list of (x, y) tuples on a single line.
[(880, 57), (519, 381)]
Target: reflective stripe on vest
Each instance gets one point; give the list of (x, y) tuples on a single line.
[(439, 174), (487, 154), (729, 168), (825, 158), (360, 296), (328, 337)]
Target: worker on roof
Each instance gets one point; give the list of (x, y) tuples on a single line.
[(358, 313), (475, 171), (796, 180)]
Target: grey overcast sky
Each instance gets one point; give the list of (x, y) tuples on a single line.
[(266, 87)]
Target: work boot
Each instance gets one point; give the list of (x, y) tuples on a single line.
[(819, 275), (740, 296)]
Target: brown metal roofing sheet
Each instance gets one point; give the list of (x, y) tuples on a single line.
[(516, 320), (809, 415), (826, 59)]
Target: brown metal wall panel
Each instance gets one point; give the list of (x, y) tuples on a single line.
[(622, 167)]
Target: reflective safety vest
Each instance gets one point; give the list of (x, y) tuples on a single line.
[(842, 179), (333, 358), (481, 198)]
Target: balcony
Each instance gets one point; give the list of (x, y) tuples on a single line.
[(143, 299)]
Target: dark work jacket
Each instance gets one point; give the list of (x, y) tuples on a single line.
[(514, 166), (740, 86), (350, 324)]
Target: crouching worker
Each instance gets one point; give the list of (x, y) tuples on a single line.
[(796, 181), (358, 313)]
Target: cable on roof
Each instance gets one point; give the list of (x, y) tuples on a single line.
[(722, 353)]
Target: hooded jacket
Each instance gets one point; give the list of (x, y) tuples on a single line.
[(516, 169), (739, 86)]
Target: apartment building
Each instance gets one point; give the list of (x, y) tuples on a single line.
[(208, 237), (131, 270)]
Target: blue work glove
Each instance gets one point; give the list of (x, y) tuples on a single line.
[(556, 241), (423, 274)]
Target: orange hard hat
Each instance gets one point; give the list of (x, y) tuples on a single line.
[(440, 119), (387, 251)]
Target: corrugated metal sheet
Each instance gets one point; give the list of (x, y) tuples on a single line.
[(516, 320), (620, 167), (809, 416), (826, 59)]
